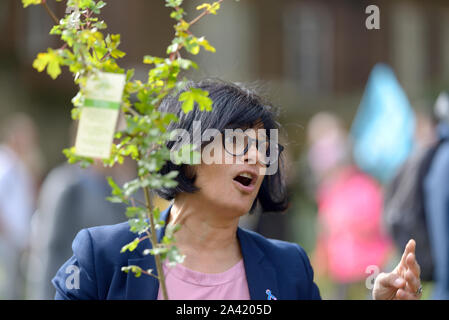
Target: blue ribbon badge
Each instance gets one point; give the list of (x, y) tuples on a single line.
[(270, 295)]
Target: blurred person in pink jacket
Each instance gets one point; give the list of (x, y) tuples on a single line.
[(349, 209), (350, 236)]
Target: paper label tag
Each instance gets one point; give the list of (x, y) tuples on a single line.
[(99, 115)]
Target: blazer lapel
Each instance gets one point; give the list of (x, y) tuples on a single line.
[(260, 272), (145, 287)]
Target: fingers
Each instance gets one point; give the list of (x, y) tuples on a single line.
[(412, 272), (411, 245), (403, 264), (409, 248), (391, 280), (413, 282), (401, 294), (413, 265)]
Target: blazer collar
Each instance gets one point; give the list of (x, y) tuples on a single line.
[(260, 272)]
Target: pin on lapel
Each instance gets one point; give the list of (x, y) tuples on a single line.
[(270, 295)]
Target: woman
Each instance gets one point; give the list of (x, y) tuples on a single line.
[(222, 260)]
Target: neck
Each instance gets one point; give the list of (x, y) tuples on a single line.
[(203, 227), (208, 236)]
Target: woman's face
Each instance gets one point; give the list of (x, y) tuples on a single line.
[(234, 183)]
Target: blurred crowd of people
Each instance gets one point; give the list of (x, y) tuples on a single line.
[(39, 218), (375, 185), (20, 172), (379, 185)]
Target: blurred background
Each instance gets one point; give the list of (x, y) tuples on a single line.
[(340, 89)]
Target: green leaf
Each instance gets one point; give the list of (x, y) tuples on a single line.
[(129, 74), (100, 25), (116, 190), (160, 224), (177, 14), (27, 3), (115, 40), (75, 113), (205, 44), (72, 158), (173, 3), (131, 212), (130, 246), (156, 213), (138, 225), (156, 251), (41, 61), (98, 6), (134, 269), (116, 53), (86, 4), (132, 150), (101, 4), (152, 60), (191, 45), (175, 256), (181, 27), (186, 64), (211, 8), (51, 60), (172, 48), (188, 101), (56, 30), (171, 174), (170, 231), (114, 199), (53, 69), (131, 187), (201, 97)]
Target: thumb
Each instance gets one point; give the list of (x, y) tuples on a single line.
[(391, 279)]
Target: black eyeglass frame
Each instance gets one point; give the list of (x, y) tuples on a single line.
[(250, 143)]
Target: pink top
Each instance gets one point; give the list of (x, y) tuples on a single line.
[(350, 212), (186, 284)]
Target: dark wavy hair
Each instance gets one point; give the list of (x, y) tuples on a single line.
[(233, 106)]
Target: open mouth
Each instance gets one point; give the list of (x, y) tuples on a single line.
[(244, 179)]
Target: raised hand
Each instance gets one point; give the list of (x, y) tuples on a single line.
[(403, 283)]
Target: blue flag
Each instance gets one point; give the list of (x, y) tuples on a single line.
[(383, 128)]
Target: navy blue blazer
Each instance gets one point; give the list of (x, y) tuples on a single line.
[(279, 266)]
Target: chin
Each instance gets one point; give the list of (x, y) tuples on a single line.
[(242, 208), (236, 209)]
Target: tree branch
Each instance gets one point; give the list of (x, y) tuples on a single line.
[(201, 15), (205, 12), (50, 12), (138, 201), (159, 268), (150, 274)]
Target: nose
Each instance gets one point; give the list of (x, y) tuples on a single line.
[(252, 156)]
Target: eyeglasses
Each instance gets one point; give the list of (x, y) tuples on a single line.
[(239, 144)]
